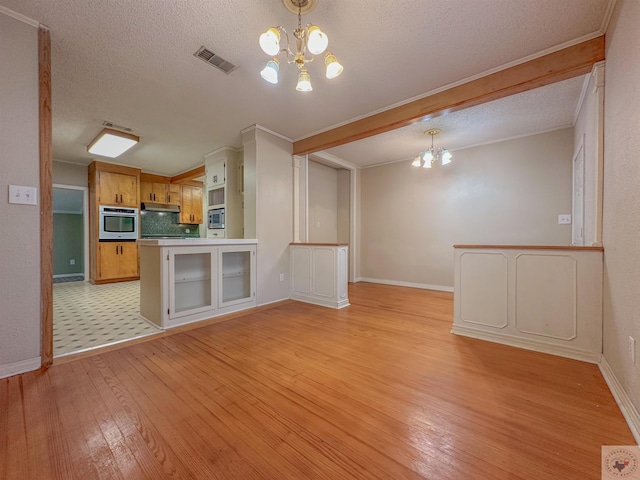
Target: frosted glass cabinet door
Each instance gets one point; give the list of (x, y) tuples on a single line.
[(191, 284), (237, 274)]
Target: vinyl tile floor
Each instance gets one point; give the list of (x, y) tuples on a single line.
[(86, 316)]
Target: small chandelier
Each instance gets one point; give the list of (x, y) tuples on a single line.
[(308, 39), (428, 157)]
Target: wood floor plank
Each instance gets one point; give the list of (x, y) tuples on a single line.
[(379, 390)]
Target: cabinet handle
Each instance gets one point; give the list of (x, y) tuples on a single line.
[(116, 198), (116, 249), (120, 249), (168, 198), (154, 196), (120, 198)]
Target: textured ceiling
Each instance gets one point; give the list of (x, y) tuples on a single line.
[(547, 108), (131, 63)]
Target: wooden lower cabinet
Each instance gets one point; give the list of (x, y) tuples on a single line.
[(117, 260)]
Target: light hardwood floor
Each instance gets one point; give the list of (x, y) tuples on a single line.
[(378, 390)]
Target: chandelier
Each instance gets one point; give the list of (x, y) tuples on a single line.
[(428, 157), (309, 39)]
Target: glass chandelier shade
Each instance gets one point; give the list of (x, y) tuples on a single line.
[(433, 154), (309, 39)]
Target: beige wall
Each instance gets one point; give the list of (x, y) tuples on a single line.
[(344, 206), (621, 228), (274, 214), (70, 174), (19, 165), (507, 193), (323, 203)]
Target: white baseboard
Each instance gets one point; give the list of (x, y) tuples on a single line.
[(628, 409), (23, 366), (273, 301), (424, 286), (529, 344), (321, 302)]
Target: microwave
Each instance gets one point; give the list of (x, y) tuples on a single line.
[(118, 224), (215, 218)]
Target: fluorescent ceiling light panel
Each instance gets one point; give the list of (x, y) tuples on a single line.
[(112, 143)]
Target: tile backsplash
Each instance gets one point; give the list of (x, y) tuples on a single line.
[(165, 223)]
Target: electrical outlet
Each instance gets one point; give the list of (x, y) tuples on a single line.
[(282, 277), (632, 349), (72, 261), (564, 219)]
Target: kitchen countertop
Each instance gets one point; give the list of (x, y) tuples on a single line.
[(185, 242)]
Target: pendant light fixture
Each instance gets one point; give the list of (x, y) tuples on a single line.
[(309, 39), (434, 154)]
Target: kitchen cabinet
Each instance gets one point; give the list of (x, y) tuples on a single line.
[(174, 194), (113, 186), (118, 260), (119, 189), (156, 192), (191, 209), (153, 192), (216, 173), (189, 280)]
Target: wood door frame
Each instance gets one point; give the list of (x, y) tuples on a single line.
[(46, 196)]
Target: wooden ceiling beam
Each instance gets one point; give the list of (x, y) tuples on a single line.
[(554, 67), (186, 177)]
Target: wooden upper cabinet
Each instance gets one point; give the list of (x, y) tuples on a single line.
[(153, 192), (117, 189), (174, 194), (191, 210)]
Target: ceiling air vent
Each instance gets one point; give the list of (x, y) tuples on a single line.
[(215, 60)]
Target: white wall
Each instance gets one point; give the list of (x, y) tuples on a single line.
[(587, 132), (621, 227), (272, 160), (504, 193), (19, 165), (70, 174), (323, 203)]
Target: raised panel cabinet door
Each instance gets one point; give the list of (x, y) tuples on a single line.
[(216, 174), (174, 193), (109, 263), (129, 259)]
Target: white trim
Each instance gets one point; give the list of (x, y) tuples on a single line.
[(424, 286), (528, 344), (20, 17), (85, 221), (22, 366), (273, 301), (548, 51), (628, 409), (260, 127), (222, 149), (333, 161), (607, 16), (322, 303)]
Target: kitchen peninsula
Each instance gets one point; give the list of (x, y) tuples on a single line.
[(194, 279)]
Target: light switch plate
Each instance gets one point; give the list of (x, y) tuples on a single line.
[(23, 195), (564, 219)]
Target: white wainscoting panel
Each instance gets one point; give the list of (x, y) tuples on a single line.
[(485, 287), (546, 295), (319, 274), (547, 299)]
